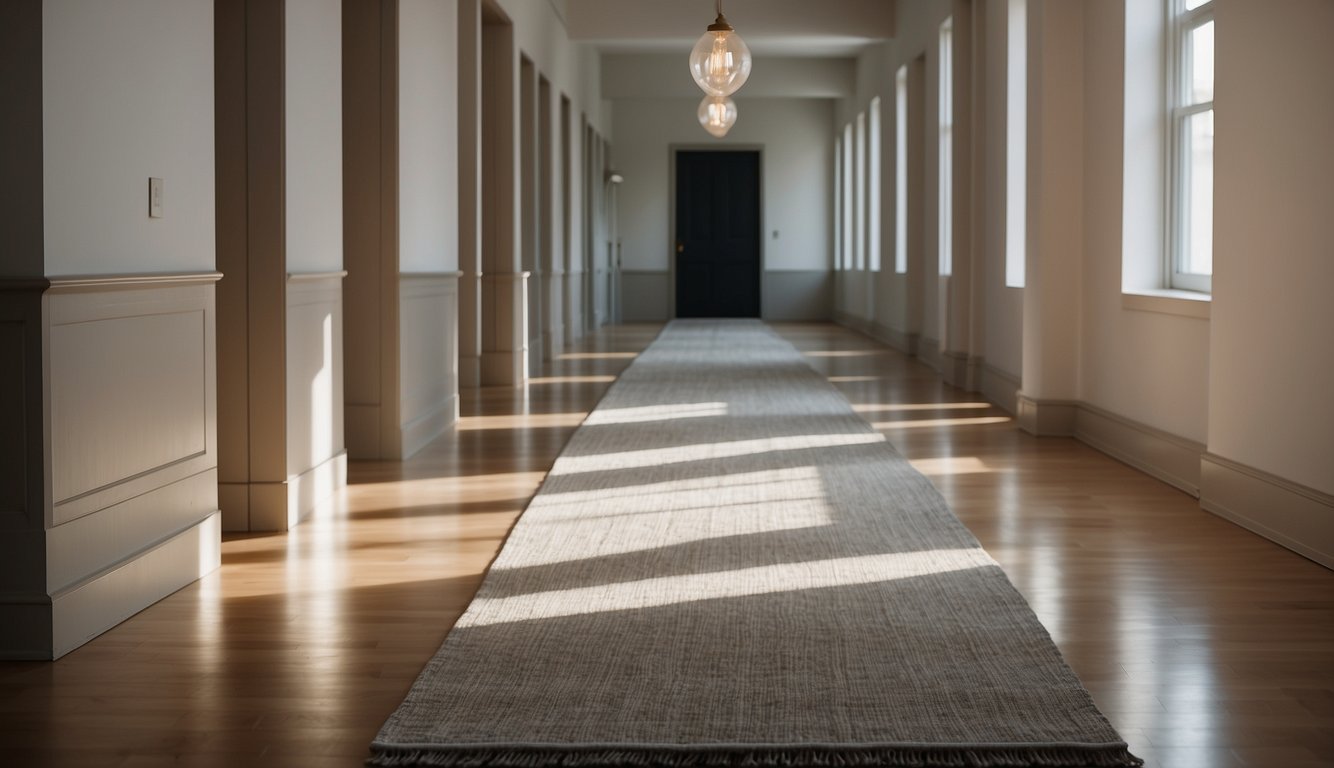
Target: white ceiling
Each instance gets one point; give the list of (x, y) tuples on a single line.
[(770, 27)]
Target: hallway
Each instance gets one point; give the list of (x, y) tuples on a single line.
[(1205, 645)]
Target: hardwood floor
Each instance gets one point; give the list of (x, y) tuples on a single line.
[(1204, 644)]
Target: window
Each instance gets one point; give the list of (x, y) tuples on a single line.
[(1016, 143), (873, 188), (1190, 144), (945, 213), (838, 204), (847, 196), (859, 211), (901, 171)]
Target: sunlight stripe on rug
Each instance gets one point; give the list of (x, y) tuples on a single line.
[(727, 566)]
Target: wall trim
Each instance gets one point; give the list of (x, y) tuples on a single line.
[(61, 283), (1000, 388), (1043, 418), (1287, 513), (295, 277), (85, 610), (928, 351), (306, 491), (429, 425), (896, 339), (1173, 459)]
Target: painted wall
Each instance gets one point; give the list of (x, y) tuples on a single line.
[(314, 142), (797, 175), (1271, 367), (1149, 367), (427, 136), (127, 94)]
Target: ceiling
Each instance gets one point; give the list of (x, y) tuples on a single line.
[(770, 27)]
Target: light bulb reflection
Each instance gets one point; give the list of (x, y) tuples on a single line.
[(717, 114)]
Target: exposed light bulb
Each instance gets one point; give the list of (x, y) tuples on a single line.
[(717, 114), (720, 61)]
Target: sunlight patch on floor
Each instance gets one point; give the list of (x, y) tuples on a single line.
[(652, 457), (646, 413), (743, 582), (927, 423), (600, 523), (519, 421), (898, 407)]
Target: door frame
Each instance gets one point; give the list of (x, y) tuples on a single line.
[(672, 151)]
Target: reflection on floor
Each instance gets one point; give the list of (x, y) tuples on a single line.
[(1204, 644)]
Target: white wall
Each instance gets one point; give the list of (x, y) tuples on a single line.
[(1271, 367), (127, 94), (797, 175), (314, 141), (428, 136), (1145, 366)]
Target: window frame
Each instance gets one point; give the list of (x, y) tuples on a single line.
[(1180, 24), (945, 152), (901, 170)]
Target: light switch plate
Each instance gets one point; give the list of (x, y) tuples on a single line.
[(154, 198)]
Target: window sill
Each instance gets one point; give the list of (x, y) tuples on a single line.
[(1168, 302)]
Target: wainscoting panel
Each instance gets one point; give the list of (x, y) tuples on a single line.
[(428, 321), (131, 391), (797, 296), (132, 505), (314, 391), (646, 296)]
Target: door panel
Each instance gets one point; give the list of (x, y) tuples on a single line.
[(717, 234)]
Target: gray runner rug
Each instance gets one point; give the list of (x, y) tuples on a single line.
[(727, 566)]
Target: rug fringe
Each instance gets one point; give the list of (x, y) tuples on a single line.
[(906, 757)]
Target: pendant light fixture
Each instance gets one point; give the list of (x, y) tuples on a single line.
[(720, 61), (717, 114)]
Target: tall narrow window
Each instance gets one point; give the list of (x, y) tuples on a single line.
[(873, 188), (1191, 143), (859, 193), (901, 171), (1016, 143), (847, 196), (945, 209), (838, 204)]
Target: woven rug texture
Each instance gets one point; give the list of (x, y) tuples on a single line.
[(728, 566)]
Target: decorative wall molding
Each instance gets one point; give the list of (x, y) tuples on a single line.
[(108, 499), (1287, 513), (1172, 459)]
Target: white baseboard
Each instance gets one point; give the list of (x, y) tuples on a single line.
[(86, 610), (1000, 388), (1046, 418), (897, 340), (430, 425), (1287, 513), (928, 351), (316, 485), (1172, 459)]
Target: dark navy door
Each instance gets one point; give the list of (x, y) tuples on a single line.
[(717, 234)]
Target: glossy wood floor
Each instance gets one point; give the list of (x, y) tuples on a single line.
[(1204, 644)]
